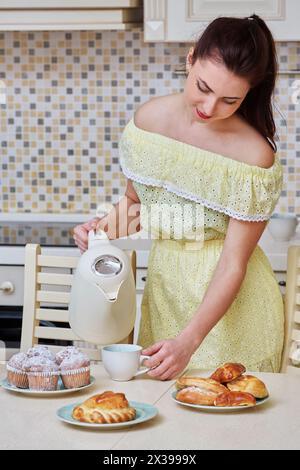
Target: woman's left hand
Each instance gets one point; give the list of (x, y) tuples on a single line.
[(168, 357)]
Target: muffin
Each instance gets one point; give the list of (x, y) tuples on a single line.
[(75, 370), (65, 353), (15, 373), (40, 350), (42, 372)]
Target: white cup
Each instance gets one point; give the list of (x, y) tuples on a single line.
[(123, 361), (283, 226)]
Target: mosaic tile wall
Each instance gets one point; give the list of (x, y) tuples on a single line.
[(65, 98)]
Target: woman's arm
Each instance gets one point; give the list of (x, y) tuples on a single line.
[(122, 220), (124, 217), (174, 355)]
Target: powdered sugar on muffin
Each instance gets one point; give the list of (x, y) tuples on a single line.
[(40, 364), (75, 361), (17, 361), (65, 353), (41, 351)]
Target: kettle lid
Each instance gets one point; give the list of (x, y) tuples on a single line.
[(107, 265)]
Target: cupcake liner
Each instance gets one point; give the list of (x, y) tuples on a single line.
[(76, 378), (43, 381), (17, 377)]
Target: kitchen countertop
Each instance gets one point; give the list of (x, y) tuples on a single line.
[(276, 251), (30, 423)]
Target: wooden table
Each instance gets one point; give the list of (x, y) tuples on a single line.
[(31, 423)]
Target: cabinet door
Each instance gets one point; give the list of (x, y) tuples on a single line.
[(58, 4), (34, 15), (184, 20), (11, 285), (281, 278)]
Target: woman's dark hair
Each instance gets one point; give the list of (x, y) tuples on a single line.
[(246, 47)]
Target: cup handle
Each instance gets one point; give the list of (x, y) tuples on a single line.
[(143, 371)]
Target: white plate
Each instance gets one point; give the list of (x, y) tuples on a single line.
[(219, 408), (38, 393), (144, 412)]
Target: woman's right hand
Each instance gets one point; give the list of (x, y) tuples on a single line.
[(80, 233)]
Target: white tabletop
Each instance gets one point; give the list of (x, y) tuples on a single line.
[(273, 425), (31, 423)]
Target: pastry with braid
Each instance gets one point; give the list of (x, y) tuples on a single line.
[(105, 408)]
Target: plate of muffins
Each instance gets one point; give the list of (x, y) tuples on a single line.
[(107, 410), (227, 389), (41, 372)]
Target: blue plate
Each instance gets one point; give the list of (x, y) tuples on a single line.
[(144, 412), (60, 389), (219, 408)]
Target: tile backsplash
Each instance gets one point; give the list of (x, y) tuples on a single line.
[(65, 98)]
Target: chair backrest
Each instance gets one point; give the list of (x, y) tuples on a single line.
[(47, 285), (292, 309)]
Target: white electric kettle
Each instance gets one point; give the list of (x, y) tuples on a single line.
[(102, 307)]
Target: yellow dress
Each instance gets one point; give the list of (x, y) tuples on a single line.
[(187, 196)]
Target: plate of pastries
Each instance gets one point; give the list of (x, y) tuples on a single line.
[(107, 410), (40, 372), (227, 389)]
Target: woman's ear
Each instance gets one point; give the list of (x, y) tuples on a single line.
[(189, 60)]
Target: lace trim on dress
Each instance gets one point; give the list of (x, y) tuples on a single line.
[(192, 197), (239, 190)]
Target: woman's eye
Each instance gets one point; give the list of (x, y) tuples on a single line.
[(201, 89), (207, 91)]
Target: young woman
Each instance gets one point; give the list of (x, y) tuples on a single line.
[(210, 149)]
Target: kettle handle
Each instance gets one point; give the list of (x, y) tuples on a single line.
[(95, 237)]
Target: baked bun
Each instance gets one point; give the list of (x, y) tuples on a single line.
[(201, 382), (105, 408), (249, 384), (199, 391), (228, 372), (235, 399)]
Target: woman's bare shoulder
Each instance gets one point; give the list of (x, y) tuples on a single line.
[(253, 148), (152, 115)]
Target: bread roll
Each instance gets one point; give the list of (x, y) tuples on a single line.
[(235, 399), (228, 372), (199, 391), (190, 381), (249, 384), (104, 408)]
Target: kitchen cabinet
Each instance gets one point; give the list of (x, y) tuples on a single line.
[(281, 278), (70, 15), (11, 285), (59, 4), (184, 20)]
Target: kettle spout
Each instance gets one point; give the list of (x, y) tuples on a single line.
[(111, 296)]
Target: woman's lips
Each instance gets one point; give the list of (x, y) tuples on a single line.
[(201, 115)]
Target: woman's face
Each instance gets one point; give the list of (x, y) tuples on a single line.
[(211, 91)]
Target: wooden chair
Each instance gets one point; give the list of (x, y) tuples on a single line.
[(47, 284), (292, 309)]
